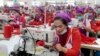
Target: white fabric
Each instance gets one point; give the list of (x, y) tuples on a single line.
[(11, 44)]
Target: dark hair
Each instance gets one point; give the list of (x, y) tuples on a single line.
[(62, 20), (10, 21)]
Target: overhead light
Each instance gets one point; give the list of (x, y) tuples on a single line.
[(36, 3), (1, 3), (10, 3), (21, 3)]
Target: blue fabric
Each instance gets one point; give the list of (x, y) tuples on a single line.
[(97, 53)]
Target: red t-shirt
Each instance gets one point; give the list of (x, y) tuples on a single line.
[(76, 42)]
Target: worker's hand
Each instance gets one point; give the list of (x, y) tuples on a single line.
[(94, 42), (98, 32), (59, 47)]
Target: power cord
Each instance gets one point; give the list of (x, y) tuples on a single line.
[(34, 41)]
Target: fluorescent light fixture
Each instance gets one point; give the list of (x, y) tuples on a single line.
[(1, 3), (21, 3), (86, 1), (36, 3), (71, 2), (10, 3)]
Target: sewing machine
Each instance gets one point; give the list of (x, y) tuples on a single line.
[(15, 42), (4, 17), (42, 33), (45, 34)]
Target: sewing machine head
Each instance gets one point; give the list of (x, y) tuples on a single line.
[(45, 34)]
